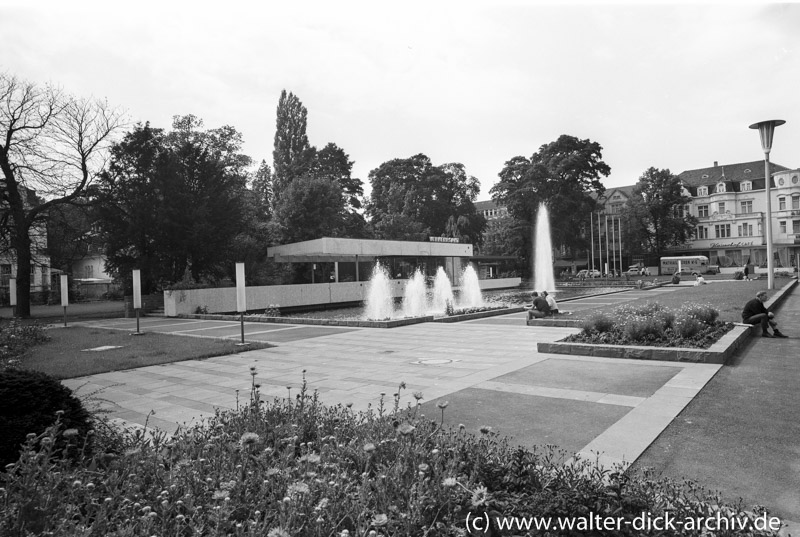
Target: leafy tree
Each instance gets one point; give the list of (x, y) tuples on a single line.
[(334, 164), (398, 226), (563, 175), (413, 197), (292, 155), (654, 216), (69, 234), (171, 203), (502, 237), (52, 144), (262, 188), (310, 207)]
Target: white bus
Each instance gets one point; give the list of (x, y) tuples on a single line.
[(688, 264)]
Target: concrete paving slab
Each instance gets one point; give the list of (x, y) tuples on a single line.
[(638, 380), (528, 419)]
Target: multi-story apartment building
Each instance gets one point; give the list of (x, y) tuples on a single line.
[(730, 204), (490, 210)]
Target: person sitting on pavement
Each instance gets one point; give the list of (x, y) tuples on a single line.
[(755, 312), (699, 280), (539, 309), (551, 302)]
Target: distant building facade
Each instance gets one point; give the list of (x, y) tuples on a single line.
[(729, 203), (40, 261)]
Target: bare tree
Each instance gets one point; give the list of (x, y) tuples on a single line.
[(52, 146)]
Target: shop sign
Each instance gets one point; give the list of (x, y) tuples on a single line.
[(731, 244), (443, 239)]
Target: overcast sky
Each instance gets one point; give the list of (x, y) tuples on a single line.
[(665, 85)]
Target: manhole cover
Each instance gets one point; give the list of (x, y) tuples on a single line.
[(436, 361), (103, 348)]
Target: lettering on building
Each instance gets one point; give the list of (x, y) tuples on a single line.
[(731, 244), (443, 239)]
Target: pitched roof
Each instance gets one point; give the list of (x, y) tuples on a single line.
[(485, 205), (728, 173)]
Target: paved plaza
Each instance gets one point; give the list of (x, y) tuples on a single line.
[(488, 370), (490, 373)]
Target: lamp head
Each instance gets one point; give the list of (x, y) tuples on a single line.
[(766, 129)]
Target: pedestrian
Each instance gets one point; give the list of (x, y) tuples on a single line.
[(539, 308), (755, 312), (551, 302), (746, 273), (699, 280)]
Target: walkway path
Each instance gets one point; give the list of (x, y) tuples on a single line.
[(741, 434)]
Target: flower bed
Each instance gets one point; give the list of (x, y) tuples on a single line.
[(295, 467), (651, 324)]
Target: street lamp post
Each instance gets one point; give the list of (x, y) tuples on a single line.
[(766, 129)]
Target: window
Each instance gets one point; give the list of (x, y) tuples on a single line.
[(746, 230), (746, 185), (88, 271), (721, 207), (795, 226), (781, 204), (722, 231), (747, 206), (782, 226), (720, 188), (795, 202), (735, 257), (702, 191), (702, 232), (702, 211)]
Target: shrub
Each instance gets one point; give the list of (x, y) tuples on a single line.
[(642, 329), (31, 402), (296, 467), (688, 327), (273, 310), (598, 323)]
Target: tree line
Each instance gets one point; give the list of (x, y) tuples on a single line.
[(182, 204)]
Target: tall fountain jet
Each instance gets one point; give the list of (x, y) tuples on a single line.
[(543, 278), (379, 303)]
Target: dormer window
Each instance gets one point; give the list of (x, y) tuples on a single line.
[(720, 187), (746, 185), (702, 191), (748, 171)]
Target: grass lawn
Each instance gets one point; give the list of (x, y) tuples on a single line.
[(727, 296), (65, 355)]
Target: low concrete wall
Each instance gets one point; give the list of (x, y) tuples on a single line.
[(223, 299), (719, 353)]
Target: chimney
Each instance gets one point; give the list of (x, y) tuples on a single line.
[(716, 163)]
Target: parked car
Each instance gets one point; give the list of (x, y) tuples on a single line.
[(592, 273), (636, 270)]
